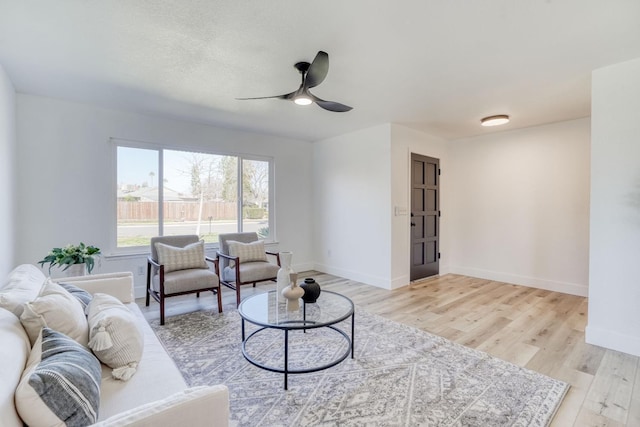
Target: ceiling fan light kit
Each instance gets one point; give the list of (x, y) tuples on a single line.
[(496, 120), (312, 75), (302, 100)]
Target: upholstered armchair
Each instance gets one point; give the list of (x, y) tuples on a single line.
[(243, 260), (178, 266)]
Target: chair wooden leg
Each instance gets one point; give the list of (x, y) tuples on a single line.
[(237, 294), (254, 284), (161, 310), (219, 292), (146, 301), (197, 294)]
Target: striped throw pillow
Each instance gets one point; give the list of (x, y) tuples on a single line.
[(61, 384), (174, 258)]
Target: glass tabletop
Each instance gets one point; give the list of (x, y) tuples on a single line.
[(268, 310)]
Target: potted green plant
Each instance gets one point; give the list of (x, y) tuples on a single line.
[(72, 255)]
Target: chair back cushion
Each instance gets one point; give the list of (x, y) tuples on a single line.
[(224, 238), (176, 258), (177, 241)]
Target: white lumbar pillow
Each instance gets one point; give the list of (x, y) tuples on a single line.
[(247, 252), (175, 258), (115, 336), (57, 309)]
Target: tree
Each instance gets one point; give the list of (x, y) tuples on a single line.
[(229, 169), (255, 182)]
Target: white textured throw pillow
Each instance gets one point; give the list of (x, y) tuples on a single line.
[(116, 338), (247, 252), (174, 258), (57, 309)]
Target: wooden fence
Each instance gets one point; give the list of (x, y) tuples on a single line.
[(176, 211)]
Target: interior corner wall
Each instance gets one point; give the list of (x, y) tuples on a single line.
[(67, 185), (7, 173), (352, 205), (519, 206), (405, 141), (614, 268)]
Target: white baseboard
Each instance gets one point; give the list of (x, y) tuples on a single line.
[(532, 282), (399, 282), (613, 340), (302, 267), (379, 282)]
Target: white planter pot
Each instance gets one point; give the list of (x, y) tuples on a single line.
[(76, 270)]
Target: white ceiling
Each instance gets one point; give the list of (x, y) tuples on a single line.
[(434, 65)]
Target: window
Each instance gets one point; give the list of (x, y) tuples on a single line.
[(164, 192)]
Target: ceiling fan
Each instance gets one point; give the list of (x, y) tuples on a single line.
[(312, 75)]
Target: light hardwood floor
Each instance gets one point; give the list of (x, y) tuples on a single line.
[(534, 328)]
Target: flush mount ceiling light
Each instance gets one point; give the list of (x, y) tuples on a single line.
[(498, 120)]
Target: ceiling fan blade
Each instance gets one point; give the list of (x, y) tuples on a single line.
[(317, 70), (336, 107), (285, 96)]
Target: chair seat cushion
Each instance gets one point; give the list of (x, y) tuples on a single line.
[(252, 272), (187, 280)]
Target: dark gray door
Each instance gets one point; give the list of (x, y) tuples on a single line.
[(425, 216)]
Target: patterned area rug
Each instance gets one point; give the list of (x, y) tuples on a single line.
[(400, 376)]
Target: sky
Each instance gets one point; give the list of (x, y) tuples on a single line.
[(135, 166)]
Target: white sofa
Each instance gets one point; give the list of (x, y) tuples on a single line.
[(156, 395)]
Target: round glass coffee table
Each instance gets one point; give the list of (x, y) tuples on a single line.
[(270, 313)]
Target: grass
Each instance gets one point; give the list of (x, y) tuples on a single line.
[(128, 241)]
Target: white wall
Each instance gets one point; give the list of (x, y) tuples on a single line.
[(614, 287), (7, 173), (352, 205), (405, 141), (65, 179), (519, 208)]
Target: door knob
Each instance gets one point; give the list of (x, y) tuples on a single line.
[(413, 224)]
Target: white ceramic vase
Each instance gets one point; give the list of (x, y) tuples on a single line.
[(283, 279)]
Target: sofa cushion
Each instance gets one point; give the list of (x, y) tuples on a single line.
[(61, 384), (115, 337), (174, 258), (58, 310), (14, 351), (205, 405), (23, 285)]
